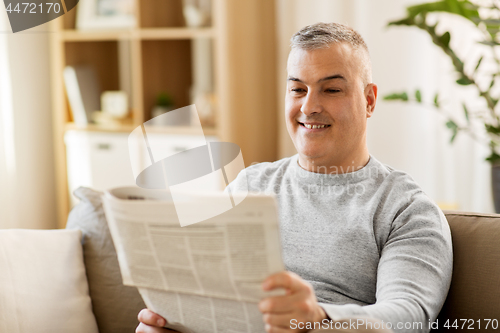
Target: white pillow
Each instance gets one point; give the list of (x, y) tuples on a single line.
[(43, 286)]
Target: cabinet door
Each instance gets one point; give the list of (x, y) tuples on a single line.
[(163, 146), (101, 160), (98, 160)]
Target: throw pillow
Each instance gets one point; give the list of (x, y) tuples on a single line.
[(43, 287)]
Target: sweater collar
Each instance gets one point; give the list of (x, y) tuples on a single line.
[(370, 170)]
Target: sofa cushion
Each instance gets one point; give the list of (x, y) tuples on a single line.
[(475, 285), (43, 287), (115, 306)]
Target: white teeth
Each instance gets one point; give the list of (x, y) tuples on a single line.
[(314, 126)]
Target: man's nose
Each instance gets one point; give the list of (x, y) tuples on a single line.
[(311, 104)]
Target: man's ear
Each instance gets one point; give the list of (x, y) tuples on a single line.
[(371, 98)]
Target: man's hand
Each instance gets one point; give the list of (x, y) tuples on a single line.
[(299, 303), (151, 322)]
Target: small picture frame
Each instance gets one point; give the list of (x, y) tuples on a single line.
[(106, 14)]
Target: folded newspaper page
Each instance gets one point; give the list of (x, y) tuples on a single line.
[(204, 277)]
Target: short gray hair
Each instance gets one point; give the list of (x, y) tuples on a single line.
[(322, 35)]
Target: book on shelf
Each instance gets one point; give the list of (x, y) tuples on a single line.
[(82, 88)]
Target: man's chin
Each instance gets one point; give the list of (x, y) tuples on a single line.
[(311, 155)]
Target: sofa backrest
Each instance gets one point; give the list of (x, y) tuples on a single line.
[(475, 287), (115, 306)]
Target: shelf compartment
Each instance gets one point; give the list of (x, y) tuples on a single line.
[(161, 13), (166, 67), (100, 55)]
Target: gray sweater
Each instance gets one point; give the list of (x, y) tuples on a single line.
[(370, 242)]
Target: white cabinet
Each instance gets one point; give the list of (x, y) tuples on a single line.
[(101, 160)]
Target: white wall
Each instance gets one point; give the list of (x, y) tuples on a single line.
[(32, 192), (409, 138)]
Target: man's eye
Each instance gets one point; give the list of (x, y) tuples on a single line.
[(332, 90), (298, 90)]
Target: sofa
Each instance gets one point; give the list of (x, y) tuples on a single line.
[(69, 280)]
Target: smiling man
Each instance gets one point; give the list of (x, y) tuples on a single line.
[(359, 238)]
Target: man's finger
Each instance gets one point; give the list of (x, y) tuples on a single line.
[(148, 317), (277, 320), (278, 304), (287, 280), (275, 329)]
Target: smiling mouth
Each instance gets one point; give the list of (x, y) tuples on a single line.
[(314, 126)]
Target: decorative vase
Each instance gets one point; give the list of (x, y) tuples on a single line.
[(495, 184)]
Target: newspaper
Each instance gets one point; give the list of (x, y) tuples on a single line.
[(205, 277)]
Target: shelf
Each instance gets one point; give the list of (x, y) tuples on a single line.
[(94, 35), (147, 33), (176, 33), (128, 128)]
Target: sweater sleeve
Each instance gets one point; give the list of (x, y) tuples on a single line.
[(414, 271)]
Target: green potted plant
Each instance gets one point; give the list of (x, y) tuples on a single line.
[(164, 104), (488, 23)]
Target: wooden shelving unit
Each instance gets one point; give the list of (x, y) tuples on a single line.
[(157, 56)]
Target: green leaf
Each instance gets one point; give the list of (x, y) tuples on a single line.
[(454, 129), (164, 99), (407, 21), (492, 129), (492, 29), (397, 96), (436, 100), (445, 39), (466, 112), (491, 22), (493, 158), (489, 43), (439, 6), (453, 5), (418, 96), (451, 124), (465, 81), (462, 8), (478, 64)]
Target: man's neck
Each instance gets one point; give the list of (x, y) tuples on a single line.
[(335, 165)]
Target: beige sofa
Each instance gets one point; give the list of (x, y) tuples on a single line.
[(111, 307), (475, 287)]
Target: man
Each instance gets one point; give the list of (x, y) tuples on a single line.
[(359, 239)]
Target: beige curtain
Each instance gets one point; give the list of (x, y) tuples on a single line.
[(7, 153), (27, 190)]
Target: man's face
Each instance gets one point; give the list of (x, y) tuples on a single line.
[(325, 90)]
